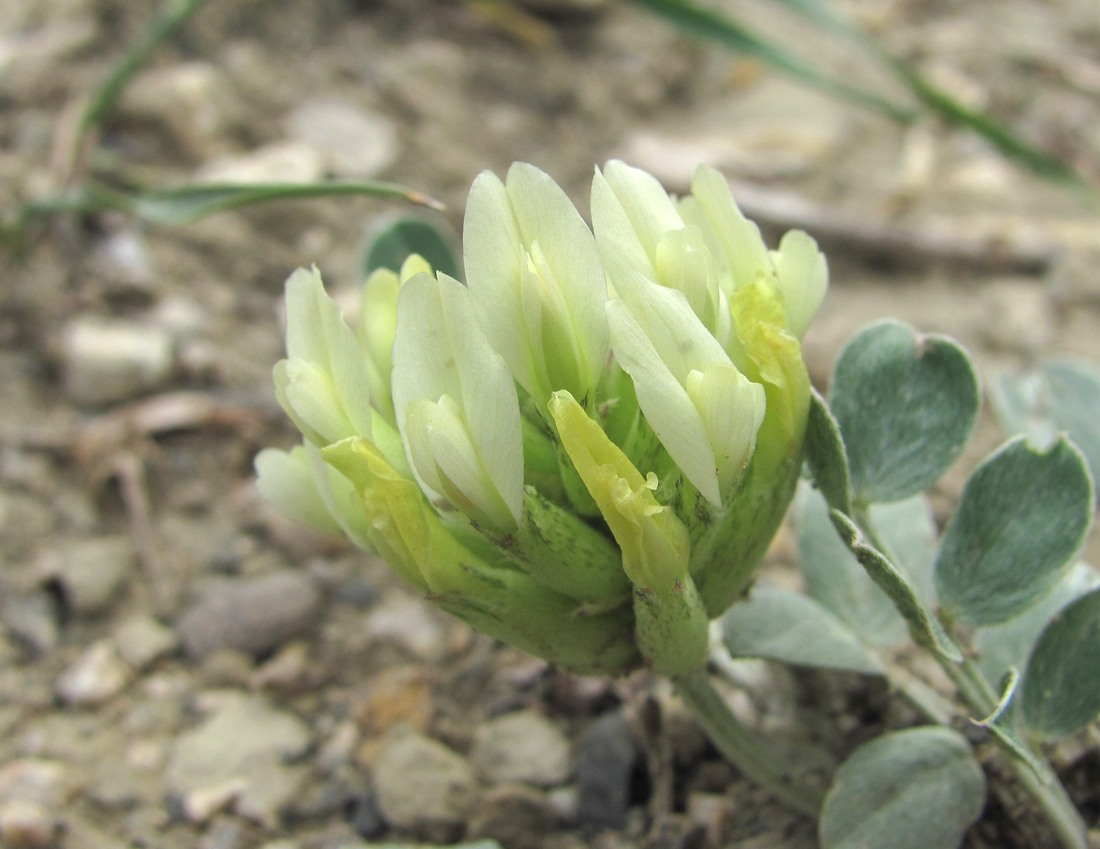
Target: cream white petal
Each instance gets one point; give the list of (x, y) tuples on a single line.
[(803, 278), (547, 217), (736, 239), (286, 481), (316, 334), (732, 409), (310, 397), (681, 340), (439, 352), (526, 242), (665, 402), (631, 211), (684, 262), (375, 331), (494, 256), (449, 463)]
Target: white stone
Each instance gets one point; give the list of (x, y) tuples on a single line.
[(90, 573), (408, 623), (237, 757), (96, 676), (109, 360), (523, 746), (26, 825), (279, 162), (352, 141), (191, 100), (142, 640), (424, 787)]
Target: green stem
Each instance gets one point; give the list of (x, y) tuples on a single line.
[(742, 746)]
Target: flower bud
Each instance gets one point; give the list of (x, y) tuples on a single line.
[(323, 383), (456, 405), (536, 281), (704, 411), (671, 624), (378, 326), (751, 404)]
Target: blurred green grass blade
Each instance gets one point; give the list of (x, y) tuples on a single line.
[(172, 16), (824, 15), (734, 35), (190, 203), (994, 132), (82, 199), (186, 204), (939, 101)]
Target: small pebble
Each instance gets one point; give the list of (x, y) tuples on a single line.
[(564, 802), (226, 668), (237, 756), (524, 747), (124, 259), (284, 162), (26, 825), (192, 101), (712, 813), (202, 803), (352, 141), (252, 615), (181, 316), (398, 695), (38, 780), (90, 573), (409, 623), (96, 676), (30, 56), (271, 789), (516, 816), (606, 762), (424, 787), (31, 792), (109, 360), (33, 619), (142, 640), (145, 756), (336, 751), (288, 670), (336, 794), (1018, 317), (223, 833), (364, 816)]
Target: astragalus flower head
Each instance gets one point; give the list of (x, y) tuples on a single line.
[(583, 451)]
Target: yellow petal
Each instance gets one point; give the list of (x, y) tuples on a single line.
[(654, 542)]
